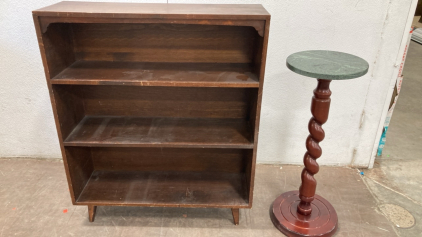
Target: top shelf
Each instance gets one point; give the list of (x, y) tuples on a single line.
[(154, 10), (158, 74)]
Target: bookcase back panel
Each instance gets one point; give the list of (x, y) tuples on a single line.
[(170, 159), (167, 101), (164, 43)]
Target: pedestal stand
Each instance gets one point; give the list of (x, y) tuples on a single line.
[(303, 213)]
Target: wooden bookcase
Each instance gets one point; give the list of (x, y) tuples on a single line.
[(156, 104)]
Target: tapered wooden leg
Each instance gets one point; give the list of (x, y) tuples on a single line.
[(91, 212), (235, 213)]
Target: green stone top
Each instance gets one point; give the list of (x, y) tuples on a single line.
[(324, 64)]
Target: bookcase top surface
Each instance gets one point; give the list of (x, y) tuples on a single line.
[(155, 10)]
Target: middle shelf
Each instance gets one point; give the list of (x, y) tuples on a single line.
[(122, 131), (238, 75)]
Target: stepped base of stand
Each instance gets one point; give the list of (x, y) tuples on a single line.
[(321, 222)]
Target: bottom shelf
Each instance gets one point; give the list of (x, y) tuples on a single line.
[(171, 189)]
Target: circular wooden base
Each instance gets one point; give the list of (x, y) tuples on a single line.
[(321, 222)]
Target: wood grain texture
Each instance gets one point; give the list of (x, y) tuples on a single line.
[(163, 43), (257, 24), (155, 10), (69, 108), (158, 74), (176, 102), (260, 62), (170, 189), (58, 46), (160, 132), (170, 159), (55, 107), (80, 167)]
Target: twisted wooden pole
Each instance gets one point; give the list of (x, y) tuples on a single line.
[(319, 108)]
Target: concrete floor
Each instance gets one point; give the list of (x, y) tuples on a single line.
[(35, 201), (416, 22), (397, 177)]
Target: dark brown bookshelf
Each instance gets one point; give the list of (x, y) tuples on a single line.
[(156, 104)]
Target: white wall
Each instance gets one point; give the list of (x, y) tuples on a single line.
[(372, 30)]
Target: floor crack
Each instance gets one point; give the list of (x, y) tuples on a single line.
[(402, 194)]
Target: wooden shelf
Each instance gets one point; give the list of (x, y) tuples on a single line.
[(110, 131), (176, 122), (158, 74), (172, 189)]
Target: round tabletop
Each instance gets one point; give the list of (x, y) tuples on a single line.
[(324, 64)]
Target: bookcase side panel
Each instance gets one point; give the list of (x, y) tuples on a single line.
[(69, 107), (80, 166), (260, 67), (50, 68)]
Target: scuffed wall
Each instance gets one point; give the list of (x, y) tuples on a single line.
[(372, 30)]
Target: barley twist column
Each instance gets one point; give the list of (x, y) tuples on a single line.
[(304, 213), (319, 108)]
